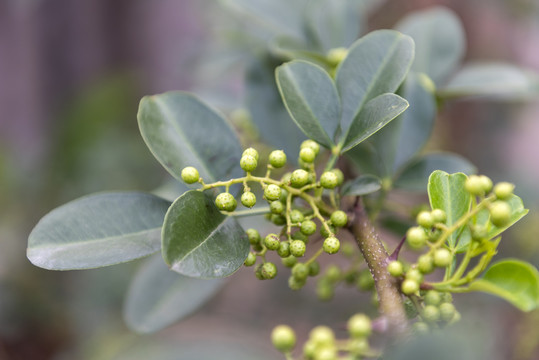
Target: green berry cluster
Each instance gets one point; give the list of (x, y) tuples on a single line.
[(436, 310)]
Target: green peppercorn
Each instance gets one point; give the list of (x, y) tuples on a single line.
[(269, 270), (272, 192), (314, 268), (289, 261), (312, 144), (359, 325), (416, 237), (425, 264), (190, 175), (331, 245), (248, 199), (300, 271), (296, 216), (250, 152), (442, 257), (248, 163), (395, 268), (271, 241), (329, 180), (500, 213), (299, 178), (284, 249), (308, 227), (253, 235), (225, 202), (250, 260), (307, 155), (283, 338), (339, 218), (425, 219), (276, 207), (297, 248), (277, 158), (504, 190)]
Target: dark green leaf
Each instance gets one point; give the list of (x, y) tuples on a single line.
[(372, 117), (181, 131), (199, 241), (98, 230), (446, 192), (501, 81), (367, 159), (439, 39), (311, 98), (415, 174), (513, 280), (158, 297), (362, 185), (376, 64)]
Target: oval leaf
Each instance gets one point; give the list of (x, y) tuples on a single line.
[(311, 98), (376, 64), (374, 116), (181, 131), (415, 174), (513, 280), (98, 230), (362, 185), (446, 192), (199, 241), (439, 39), (158, 297)]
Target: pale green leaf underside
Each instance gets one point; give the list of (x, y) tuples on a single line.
[(513, 280), (199, 241), (98, 230), (181, 131), (158, 297)]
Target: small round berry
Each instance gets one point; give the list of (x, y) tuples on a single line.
[(439, 216), (333, 273), (269, 270), (251, 259), (299, 178), (324, 291), (272, 192), (326, 353), (308, 227), (357, 346), (479, 232), (486, 183), (395, 268), (340, 176), (430, 313), (425, 264), (271, 241), (474, 185), (312, 144), (284, 249), (190, 175), (329, 180), (409, 286), (307, 155), (500, 213), (258, 272), (276, 207), (278, 220), (425, 219), (365, 281), (296, 284), (442, 257), (277, 158), (298, 235), (414, 274), (325, 233), (359, 325), (314, 268), (304, 165), (289, 261), (420, 328), (283, 338), (331, 245), (253, 235), (447, 297), (297, 248), (251, 152), (225, 202), (296, 216), (416, 237), (300, 271), (504, 190), (447, 311), (248, 163), (339, 218), (432, 297), (248, 199), (336, 55), (285, 179), (322, 335)]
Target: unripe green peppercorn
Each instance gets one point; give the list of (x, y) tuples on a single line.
[(447, 311), (339, 218), (253, 235), (272, 241), (439, 216), (359, 325), (299, 178), (324, 291), (425, 219), (420, 328), (300, 271), (283, 338), (331, 245), (416, 237), (500, 213), (329, 180), (276, 207), (333, 273), (284, 249), (432, 297), (486, 183), (296, 216), (308, 227), (277, 158), (322, 335), (430, 313), (269, 270), (442, 257), (285, 179), (409, 286), (248, 163), (298, 235), (312, 144), (325, 233), (278, 219), (248, 199), (297, 248), (395, 268), (225, 202), (314, 268), (251, 259), (190, 175), (340, 176), (474, 185), (289, 261), (425, 264), (251, 152), (272, 192), (307, 154), (296, 284), (414, 274), (504, 190), (326, 353), (479, 232)]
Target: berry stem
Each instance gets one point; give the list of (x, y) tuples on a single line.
[(376, 257)]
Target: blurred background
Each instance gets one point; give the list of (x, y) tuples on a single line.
[(71, 76)]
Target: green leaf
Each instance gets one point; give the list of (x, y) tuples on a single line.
[(446, 192), (376, 64), (199, 241), (267, 109), (158, 297), (415, 174), (440, 42), (374, 116), (500, 81), (513, 280), (98, 230), (181, 131), (311, 98), (362, 185)]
